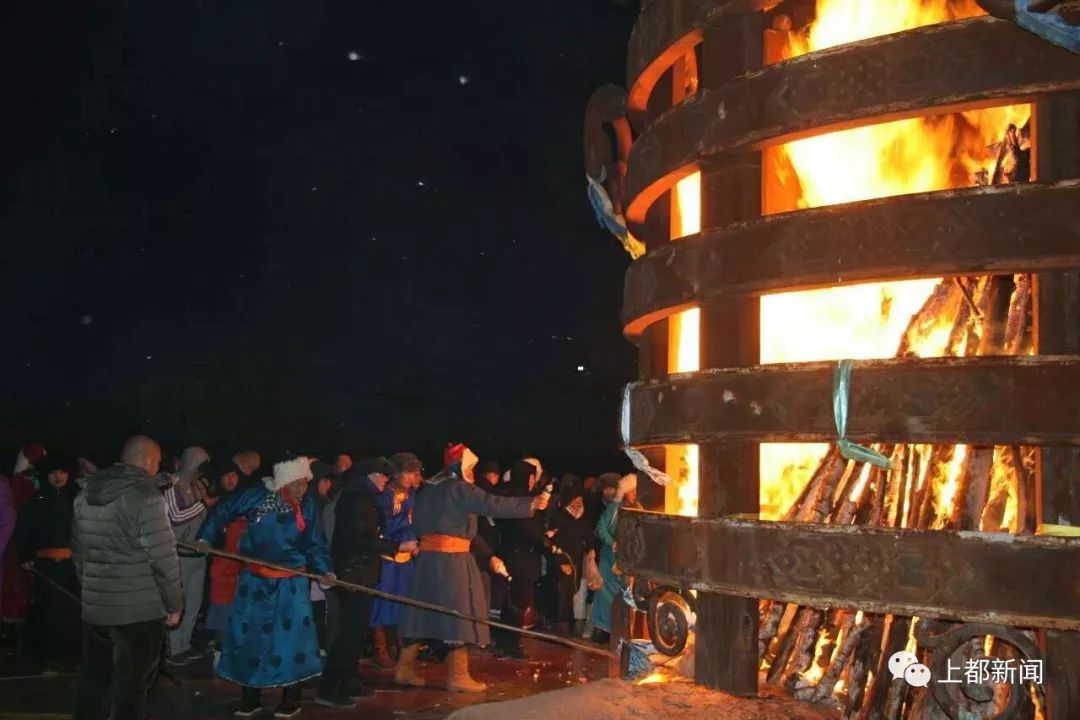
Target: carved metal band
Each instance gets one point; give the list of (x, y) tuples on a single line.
[(982, 401), (944, 639), (938, 68), (666, 29), (964, 576), (1009, 228)]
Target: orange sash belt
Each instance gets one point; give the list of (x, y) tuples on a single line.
[(444, 544), (271, 573), (54, 553), (401, 557)]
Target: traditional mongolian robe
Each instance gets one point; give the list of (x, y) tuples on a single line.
[(396, 506), (446, 573), (614, 584), (271, 640)]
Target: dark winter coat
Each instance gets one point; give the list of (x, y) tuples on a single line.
[(358, 545), (521, 541), (572, 538), (124, 549), (449, 506), (486, 541), (45, 521)]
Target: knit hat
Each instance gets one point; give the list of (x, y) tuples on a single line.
[(380, 465), (287, 472), (627, 483), (404, 462), (453, 453)]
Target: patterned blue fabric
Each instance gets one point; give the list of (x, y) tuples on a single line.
[(271, 641), (395, 577), (1049, 26)]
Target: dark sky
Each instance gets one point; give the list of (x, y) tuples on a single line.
[(308, 225)]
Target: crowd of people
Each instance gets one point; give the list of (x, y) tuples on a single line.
[(127, 553)]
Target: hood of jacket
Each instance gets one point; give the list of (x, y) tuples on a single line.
[(190, 462), (518, 486), (107, 485)]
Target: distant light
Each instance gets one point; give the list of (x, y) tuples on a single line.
[(354, 56), (314, 188), (149, 357), (581, 368), (420, 183), (463, 79), (87, 320)]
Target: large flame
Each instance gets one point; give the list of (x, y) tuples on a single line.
[(684, 354), (885, 160)]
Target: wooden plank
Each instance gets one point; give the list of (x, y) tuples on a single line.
[(967, 576), (1056, 156), (978, 401), (933, 69), (1000, 229)]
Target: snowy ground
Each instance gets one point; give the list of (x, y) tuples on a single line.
[(619, 700)]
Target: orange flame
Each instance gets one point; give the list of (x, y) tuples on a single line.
[(906, 156)]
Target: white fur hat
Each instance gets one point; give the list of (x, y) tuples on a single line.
[(288, 472), (626, 484)]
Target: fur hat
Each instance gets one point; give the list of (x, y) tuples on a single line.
[(404, 462), (468, 460), (287, 472), (608, 479), (626, 484), (535, 462), (28, 455)]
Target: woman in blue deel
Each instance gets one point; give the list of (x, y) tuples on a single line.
[(271, 640)]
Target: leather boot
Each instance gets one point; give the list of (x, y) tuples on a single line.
[(382, 649), (406, 667), (457, 673)]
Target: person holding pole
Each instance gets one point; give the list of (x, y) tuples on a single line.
[(446, 572)]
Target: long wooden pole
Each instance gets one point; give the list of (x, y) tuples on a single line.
[(353, 587)]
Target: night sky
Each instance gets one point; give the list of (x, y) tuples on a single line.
[(309, 225)]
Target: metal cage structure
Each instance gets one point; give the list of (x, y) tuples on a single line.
[(645, 139)]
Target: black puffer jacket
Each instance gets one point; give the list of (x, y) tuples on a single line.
[(521, 541), (124, 549), (358, 544)]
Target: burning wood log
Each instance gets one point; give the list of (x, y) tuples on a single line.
[(926, 488), (1018, 312), (895, 639), (865, 658), (852, 631)]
